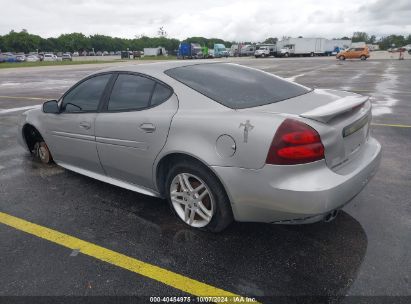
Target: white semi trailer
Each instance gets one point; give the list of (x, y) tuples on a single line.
[(333, 46), (302, 47)]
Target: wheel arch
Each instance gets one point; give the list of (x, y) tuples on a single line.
[(164, 164), (31, 135)]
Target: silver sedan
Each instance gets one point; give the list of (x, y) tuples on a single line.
[(219, 141)]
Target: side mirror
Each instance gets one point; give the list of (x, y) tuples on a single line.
[(51, 106)]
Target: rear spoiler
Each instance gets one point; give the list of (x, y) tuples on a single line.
[(333, 109)]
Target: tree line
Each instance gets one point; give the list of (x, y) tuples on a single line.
[(385, 42), (25, 42)]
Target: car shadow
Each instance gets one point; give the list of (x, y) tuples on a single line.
[(253, 259), (319, 259)]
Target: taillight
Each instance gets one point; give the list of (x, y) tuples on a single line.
[(295, 143)]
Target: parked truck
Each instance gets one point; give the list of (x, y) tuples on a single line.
[(158, 51), (189, 50), (247, 50), (233, 52), (302, 47), (220, 51), (265, 50)]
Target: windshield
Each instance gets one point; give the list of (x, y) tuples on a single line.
[(236, 86)]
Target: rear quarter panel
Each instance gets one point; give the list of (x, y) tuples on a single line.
[(200, 121)]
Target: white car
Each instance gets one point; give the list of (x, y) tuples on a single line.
[(32, 58), (50, 57)]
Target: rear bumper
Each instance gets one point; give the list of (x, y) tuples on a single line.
[(300, 193)]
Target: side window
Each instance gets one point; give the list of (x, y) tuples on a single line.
[(86, 96), (161, 93), (130, 92)]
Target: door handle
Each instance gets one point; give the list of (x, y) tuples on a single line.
[(148, 127), (85, 125)]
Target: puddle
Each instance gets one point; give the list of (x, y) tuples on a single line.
[(382, 101)]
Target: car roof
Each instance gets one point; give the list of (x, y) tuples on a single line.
[(156, 69)]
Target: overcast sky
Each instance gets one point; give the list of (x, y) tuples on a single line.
[(251, 20)]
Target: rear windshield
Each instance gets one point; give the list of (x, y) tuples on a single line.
[(236, 86)]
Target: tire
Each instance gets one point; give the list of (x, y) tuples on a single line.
[(363, 57), (262, 55), (286, 55), (42, 152), (214, 205), (341, 58), (311, 54)]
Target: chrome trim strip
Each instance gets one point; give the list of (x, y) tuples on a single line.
[(73, 135), (122, 142), (110, 180)]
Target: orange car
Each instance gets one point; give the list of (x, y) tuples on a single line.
[(354, 53)]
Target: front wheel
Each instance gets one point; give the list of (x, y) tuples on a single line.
[(363, 57), (42, 152), (341, 58), (197, 197), (262, 55)]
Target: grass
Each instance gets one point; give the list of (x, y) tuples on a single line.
[(158, 58), (7, 65)]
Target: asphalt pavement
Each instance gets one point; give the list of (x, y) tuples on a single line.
[(366, 251)]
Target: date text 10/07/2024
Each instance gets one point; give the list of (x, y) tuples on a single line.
[(235, 299)]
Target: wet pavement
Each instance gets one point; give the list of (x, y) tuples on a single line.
[(366, 251)]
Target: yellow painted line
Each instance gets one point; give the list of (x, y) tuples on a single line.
[(26, 97), (159, 274), (391, 125)]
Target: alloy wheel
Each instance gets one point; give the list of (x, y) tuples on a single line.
[(192, 200), (43, 152)]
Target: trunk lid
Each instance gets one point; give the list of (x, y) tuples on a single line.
[(341, 118)]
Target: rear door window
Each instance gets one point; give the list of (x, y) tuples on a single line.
[(236, 86), (130, 92), (161, 93)]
